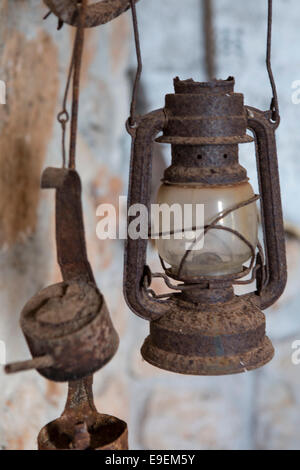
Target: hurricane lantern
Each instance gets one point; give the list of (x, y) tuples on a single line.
[(203, 327)]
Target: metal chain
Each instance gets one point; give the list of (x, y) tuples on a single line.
[(132, 118), (78, 50), (74, 71), (63, 116), (274, 103)]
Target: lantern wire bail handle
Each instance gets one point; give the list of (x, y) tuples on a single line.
[(274, 108), (132, 120), (74, 72)]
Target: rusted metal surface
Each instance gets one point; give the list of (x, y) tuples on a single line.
[(70, 239), (98, 13), (81, 427), (69, 321), (139, 193), (211, 120), (186, 332), (67, 326), (205, 113), (209, 338), (272, 219), (69, 331)]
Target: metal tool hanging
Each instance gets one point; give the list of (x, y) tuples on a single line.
[(67, 326)]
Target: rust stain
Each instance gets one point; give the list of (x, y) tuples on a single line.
[(30, 69)]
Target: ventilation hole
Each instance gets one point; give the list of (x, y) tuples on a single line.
[(225, 155), (199, 157)]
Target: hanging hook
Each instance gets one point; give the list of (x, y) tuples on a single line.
[(77, 59), (60, 22), (74, 71), (274, 108), (132, 120)]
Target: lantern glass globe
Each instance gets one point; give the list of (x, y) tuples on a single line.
[(218, 252)]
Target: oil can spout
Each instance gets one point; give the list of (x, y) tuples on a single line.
[(36, 363)]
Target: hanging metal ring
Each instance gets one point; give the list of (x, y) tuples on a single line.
[(98, 13)]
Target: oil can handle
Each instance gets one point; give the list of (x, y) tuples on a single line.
[(271, 208), (139, 193), (70, 237)]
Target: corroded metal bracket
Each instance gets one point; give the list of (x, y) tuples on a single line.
[(271, 207), (98, 13), (81, 427), (70, 239), (136, 250)]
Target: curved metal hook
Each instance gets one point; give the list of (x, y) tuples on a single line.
[(70, 238), (98, 13)]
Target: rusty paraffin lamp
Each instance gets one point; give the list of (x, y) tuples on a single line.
[(203, 328)]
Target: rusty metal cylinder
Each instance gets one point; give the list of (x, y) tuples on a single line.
[(210, 337), (205, 124), (70, 323)]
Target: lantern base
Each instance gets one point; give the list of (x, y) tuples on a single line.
[(209, 339), (209, 366)]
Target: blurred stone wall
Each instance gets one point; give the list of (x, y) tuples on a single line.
[(257, 410)]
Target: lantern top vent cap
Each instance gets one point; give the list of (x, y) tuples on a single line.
[(205, 113), (214, 86)]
